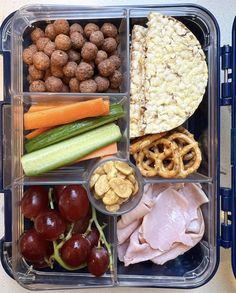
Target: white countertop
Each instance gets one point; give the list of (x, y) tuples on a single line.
[(224, 11)]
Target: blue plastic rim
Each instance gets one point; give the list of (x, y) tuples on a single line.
[(233, 137)]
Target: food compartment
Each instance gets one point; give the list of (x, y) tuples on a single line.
[(190, 269), (57, 277), (26, 19), (202, 123), (70, 172)]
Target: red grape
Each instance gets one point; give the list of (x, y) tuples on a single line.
[(93, 237), (98, 261), (39, 264), (34, 201), (74, 203), (50, 225), (58, 189), (75, 250), (33, 247), (81, 226)]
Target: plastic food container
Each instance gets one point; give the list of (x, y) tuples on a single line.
[(196, 266)]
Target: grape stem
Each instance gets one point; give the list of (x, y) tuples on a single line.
[(50, 199), (56, 256), (56, 247), (102, 238)]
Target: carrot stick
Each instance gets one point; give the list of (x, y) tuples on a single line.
[(36, 132), (64, 114), (45, 106), (36, 108), (106, 107), (110, 149)]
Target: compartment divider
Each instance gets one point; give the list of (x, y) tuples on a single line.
[(115, 253)]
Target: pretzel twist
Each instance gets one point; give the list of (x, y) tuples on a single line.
[(173, 154)]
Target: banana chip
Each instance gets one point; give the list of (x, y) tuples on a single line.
[(99, 171), (102, 185), (121, 187), (113, 208), (123, 168), (132, 178), (114, 183), (110, 198), (93, 180), (108, 166)]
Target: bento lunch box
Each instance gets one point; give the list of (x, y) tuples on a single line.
[(195, 267)]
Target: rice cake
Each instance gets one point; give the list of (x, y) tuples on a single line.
[(175, 75), (137, 97)]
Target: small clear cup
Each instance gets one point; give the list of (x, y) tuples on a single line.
[(125, 207)]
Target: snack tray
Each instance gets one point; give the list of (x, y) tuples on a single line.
[(198, 265)]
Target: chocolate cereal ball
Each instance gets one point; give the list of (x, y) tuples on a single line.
[(97, 38), (109, 45), (115, 80), (91, 63), (88, 86), (37, 86), (41, 43), (28, 56), (90, 28), (74, 85), (110, 90), (57, 71), (41, 61), (50, 32), (116, 60), (49, 48), (36, 34), (77, 40), (114, 53), (101, 55), (59, 58), (53, 84), (74, 55), (109, 30), (33, 48), (47, 73), (89, 51), (66, 80), (75, 27), (65, 88), (61, 26), (84, 71), (69, 69), (102, 83), (29, 79), (62, 42), (35, 73), (106, 68)]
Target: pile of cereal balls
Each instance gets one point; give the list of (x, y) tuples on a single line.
[(72, 58)]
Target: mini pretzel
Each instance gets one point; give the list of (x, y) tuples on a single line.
[(144, 142), (151, 159), (173, 154), (189, 154), (169, 153)]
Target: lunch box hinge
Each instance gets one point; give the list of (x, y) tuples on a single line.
[(226, 227), (226, 66)]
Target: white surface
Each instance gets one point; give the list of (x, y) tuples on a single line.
[(224, 12)]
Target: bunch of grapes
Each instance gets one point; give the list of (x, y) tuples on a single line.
[(68, 234)]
